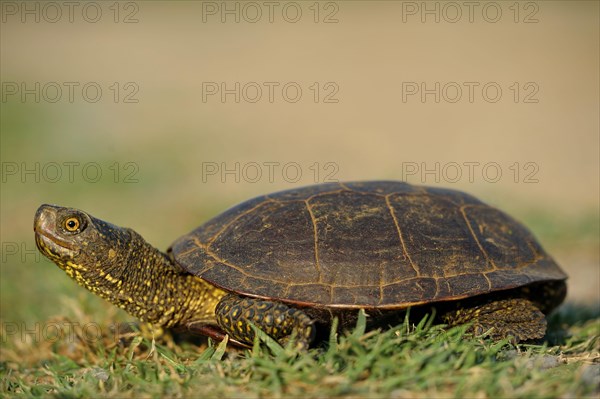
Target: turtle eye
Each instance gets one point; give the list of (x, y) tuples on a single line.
[(72, 224)]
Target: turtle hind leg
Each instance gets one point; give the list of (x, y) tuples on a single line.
[(236, 314), (517, 318)]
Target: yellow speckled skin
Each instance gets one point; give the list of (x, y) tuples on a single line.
[(280, 321), (119, 266), (516, 318)]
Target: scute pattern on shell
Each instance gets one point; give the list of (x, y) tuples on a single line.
[(380, 244)]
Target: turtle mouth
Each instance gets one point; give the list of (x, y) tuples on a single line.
[(46, 237), (53, 248)]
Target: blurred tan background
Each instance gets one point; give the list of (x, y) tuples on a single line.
[(357, 65)]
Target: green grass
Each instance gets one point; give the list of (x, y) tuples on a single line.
[(408, 360)]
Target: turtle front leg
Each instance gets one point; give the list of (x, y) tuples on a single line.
[(517, 318), (281, 322)]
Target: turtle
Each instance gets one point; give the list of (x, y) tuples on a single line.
[(290, 262)]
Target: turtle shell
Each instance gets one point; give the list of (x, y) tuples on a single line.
[(382, 244)]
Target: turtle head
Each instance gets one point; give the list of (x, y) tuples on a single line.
[(91, 251), (117, 264)]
